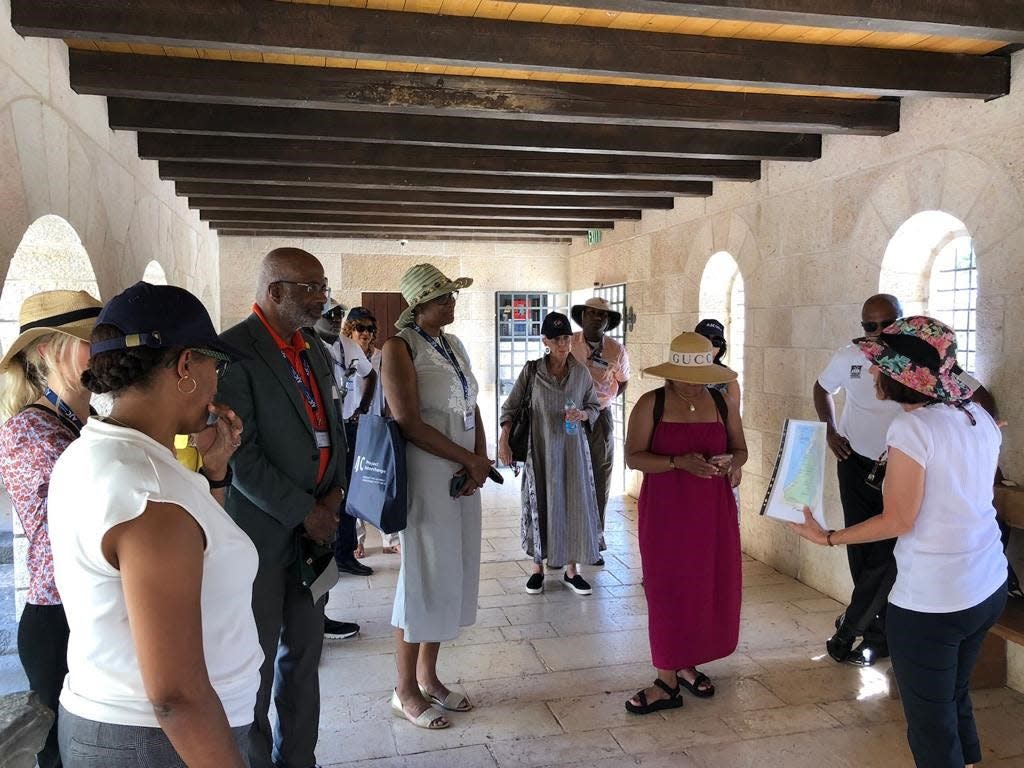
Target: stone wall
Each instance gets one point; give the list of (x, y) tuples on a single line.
[(353, 266), (58, 156), (809, 239)]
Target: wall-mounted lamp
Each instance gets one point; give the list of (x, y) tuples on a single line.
[(629, 318)]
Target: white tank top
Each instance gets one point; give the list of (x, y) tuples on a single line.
[(107, 480)]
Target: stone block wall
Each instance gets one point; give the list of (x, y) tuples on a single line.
[(354, 266), (809, 239)]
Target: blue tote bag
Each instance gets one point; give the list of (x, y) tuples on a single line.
[(377, 488)]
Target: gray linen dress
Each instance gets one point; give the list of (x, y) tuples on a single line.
[(560, 520), (440, 574)]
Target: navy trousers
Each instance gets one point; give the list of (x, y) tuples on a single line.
[(933, 655)]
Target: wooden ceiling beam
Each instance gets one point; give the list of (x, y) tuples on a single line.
[(226, 209), (320, 221), (406, 229), (456, 182), (283, 85), (360, 33), (423, 130), (395, 157), (1000, 20), (415, 199), (493, 238)]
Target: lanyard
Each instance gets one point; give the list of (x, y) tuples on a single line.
[(441, 346), (306, 392), (62, 408)]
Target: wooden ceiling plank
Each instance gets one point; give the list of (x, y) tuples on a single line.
[(407, 228), (385, 179), (210, 207), (234, 208), (418, 198), (460, 237), (194, 80), (222, 218), (425, 130), (360, 155), (257, 25)]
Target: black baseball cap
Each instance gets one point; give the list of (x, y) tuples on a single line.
[(555, 324), (711, 329), (160, 317)]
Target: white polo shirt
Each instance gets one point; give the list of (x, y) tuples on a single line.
[(865, 419)]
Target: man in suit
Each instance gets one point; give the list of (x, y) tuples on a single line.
[(287, 492)]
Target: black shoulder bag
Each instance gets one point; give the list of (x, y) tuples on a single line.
[(519, 432)]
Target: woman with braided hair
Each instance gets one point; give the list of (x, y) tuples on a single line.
[(163, 662)]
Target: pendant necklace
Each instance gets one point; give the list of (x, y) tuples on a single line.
[(689, 402)]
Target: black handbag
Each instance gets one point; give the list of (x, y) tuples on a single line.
[(519, 432)]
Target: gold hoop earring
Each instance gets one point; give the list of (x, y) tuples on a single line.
[(194, 385)]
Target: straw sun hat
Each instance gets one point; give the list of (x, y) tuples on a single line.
[(422, 283), (692, 360), (72, 313)]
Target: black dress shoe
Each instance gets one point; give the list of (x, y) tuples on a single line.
[(340, 629), (839, 646), (867, 653), (354, 567)]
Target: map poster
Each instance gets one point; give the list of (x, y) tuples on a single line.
[(799, 476)]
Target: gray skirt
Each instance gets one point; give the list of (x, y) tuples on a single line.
[(89, 744)]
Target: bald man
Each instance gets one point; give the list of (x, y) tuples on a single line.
[(286, 493), (857, 441)]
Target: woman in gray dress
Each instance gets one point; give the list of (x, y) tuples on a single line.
[(560, 519), (432, 393)]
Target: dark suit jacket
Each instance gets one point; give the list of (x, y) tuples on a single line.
[(274, 486)]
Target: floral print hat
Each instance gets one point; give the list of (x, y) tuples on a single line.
[(919, 352)]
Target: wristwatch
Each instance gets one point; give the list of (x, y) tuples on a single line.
[(224, 482)]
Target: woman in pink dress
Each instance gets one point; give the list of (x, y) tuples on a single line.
[(687, 441)]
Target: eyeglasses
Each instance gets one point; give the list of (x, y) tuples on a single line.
[(445, 298), (222, 364), (870, 327), (361, 328), (877, 474), (311, 288)]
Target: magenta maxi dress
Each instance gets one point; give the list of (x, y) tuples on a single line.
[(690, 551)]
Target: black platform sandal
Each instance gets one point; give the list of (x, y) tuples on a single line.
[(695, 687), (674, 701)]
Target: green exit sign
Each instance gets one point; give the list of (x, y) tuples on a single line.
[(593, 236)]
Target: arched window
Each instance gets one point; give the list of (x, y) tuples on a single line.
[(49, 257), (154, 273), (931, 267), (722, 297)]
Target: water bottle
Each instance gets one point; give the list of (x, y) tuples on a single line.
[(571, 427)]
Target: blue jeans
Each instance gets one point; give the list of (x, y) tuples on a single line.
[(933, 655), (89, 744)]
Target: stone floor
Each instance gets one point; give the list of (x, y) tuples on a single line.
[(549, 674)]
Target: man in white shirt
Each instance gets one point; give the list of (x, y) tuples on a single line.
[(858, 441), (349, 362)]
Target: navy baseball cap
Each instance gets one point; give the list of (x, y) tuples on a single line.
[(160, 317), (357, 314), (555, 324)]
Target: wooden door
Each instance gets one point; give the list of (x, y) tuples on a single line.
[(386, 307)]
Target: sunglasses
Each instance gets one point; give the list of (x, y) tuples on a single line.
[(870, 327), (445, 298), (363, 328)]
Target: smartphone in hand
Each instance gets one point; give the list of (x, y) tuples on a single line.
[(457, 483)]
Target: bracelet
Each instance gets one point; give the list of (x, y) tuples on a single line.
[(224, 482), (672, 462), (828, 538)]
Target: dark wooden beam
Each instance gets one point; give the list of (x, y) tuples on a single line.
[(494, 238), (406, 229), (226, 209), (360, 155), (359, 33), (283, 85), (416, 198), (422, 130), (456, 182), (1001, 20), (321, 221)]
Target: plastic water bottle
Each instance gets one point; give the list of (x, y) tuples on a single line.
[(571, 427)]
